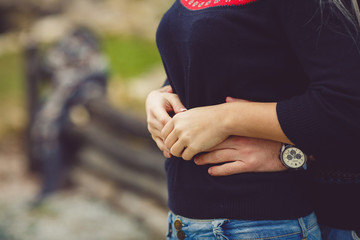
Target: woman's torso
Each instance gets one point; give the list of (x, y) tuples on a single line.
[(239, 50)]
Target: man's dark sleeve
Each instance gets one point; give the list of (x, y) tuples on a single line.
[(325, 120), (166, 83)]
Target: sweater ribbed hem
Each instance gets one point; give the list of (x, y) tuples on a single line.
[(251, 196), (261, 206), (337, 205)]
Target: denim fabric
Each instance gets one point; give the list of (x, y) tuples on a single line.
[(328, 233), (228, 229)]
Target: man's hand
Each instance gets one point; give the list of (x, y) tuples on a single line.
[(242, 154), (160, 104)]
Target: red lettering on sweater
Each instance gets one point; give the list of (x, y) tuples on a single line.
[(201, 4)]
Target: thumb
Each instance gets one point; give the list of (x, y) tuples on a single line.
[(170, 90), (176, 104), (231, 99), (167, 89)]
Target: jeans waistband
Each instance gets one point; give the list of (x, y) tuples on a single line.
[(242, 229)]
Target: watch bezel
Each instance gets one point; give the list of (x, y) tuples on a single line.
[(285, 147)]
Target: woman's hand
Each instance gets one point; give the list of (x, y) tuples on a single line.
[(195, 131), (159, 105), (242, 154)]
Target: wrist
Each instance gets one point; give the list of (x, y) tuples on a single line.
[(231, 118)]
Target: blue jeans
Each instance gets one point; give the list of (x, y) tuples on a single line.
[(227, 229), (328, 233)]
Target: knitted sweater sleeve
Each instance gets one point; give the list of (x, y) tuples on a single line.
[(324, 120), (166, 83)]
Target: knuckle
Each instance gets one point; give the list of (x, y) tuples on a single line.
[(175, 153), (252, 164), (192, 150), (152, 111), (163, 121), (151, 122), (162, 133), (154, 137), (176, 117), (196, 148), (238, 140), (167, 144), (185, 138), (167, 154), (187, 155), (226, 171), (160, 146), (178, 131), (159, 140), (217, 156), (247, 151)]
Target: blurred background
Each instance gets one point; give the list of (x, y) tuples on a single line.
[(76, 161)]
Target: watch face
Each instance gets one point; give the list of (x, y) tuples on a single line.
[(293, 157)]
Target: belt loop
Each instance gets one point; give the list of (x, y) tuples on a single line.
[(304, 233)]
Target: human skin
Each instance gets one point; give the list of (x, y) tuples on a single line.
[(160, 104), (200, 129), (242, 154), (237, 154)]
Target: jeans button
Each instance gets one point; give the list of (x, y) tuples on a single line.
[(181, 235), (178, 224)]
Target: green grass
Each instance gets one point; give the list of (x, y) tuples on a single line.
[(11, 75), (12, 111), (130, 56)]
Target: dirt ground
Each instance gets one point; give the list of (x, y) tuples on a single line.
[(71, 214)]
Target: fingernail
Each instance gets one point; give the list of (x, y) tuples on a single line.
[(168, 155), (182, 109), (210, 171), (196, 160)]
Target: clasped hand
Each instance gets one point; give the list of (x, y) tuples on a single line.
[(202, 130), (195, 131), (160, 105)]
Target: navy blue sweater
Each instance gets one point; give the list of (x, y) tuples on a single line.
[(285, 51)]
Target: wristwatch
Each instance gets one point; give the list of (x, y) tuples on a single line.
[(292, 157)]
